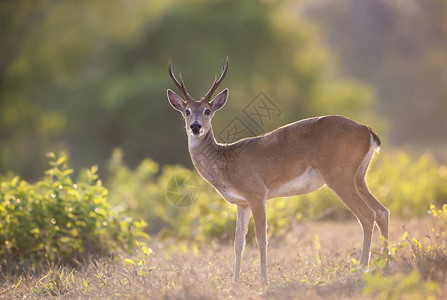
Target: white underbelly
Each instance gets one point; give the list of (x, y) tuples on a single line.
[(234, 198), (310, 180)]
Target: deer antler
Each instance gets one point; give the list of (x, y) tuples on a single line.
[(216, 82), (181, 85)]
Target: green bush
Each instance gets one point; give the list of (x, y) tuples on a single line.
[(408, 185), (405, 185), (57, 220)]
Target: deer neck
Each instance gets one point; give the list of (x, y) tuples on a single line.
[(205, 154)]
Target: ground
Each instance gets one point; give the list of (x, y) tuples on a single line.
[(314, 260)]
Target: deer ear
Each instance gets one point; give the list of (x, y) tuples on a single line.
[(176, 101), (219, 101)]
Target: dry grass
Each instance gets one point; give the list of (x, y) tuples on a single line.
[(313, 261)]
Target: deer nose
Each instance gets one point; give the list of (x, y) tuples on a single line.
[(195, 127)]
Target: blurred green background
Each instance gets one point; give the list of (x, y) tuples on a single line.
[(86, 77)]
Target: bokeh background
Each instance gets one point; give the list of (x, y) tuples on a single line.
[(95, 169), (83, 88), (88, 77)]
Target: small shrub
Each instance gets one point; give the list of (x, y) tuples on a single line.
[(440, 214), (57, 220), (408, 185), (399, 286), (431, 258), (416, 275)]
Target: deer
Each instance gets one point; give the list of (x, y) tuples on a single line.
[(294, 159)]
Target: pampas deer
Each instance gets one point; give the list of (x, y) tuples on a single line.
[(294, 159)]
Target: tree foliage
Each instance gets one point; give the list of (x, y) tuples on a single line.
[(89, 76), (399, 48)]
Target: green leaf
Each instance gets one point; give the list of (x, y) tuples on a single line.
[(61, 160)]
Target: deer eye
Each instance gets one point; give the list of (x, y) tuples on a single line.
[(207, 112), (187, 113)]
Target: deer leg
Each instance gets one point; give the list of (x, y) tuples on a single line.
[(382, 213), (243, 218), (259, 212), (365, 215)]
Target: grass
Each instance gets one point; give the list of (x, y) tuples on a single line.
[(314, 260)]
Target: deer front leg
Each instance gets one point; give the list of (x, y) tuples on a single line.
[(243, 218), (259, 212)]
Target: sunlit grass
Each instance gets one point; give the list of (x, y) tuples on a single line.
[(316, 260)]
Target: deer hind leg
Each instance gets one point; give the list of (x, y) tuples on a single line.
[(382, 213), (243, 218), (345, 189)]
